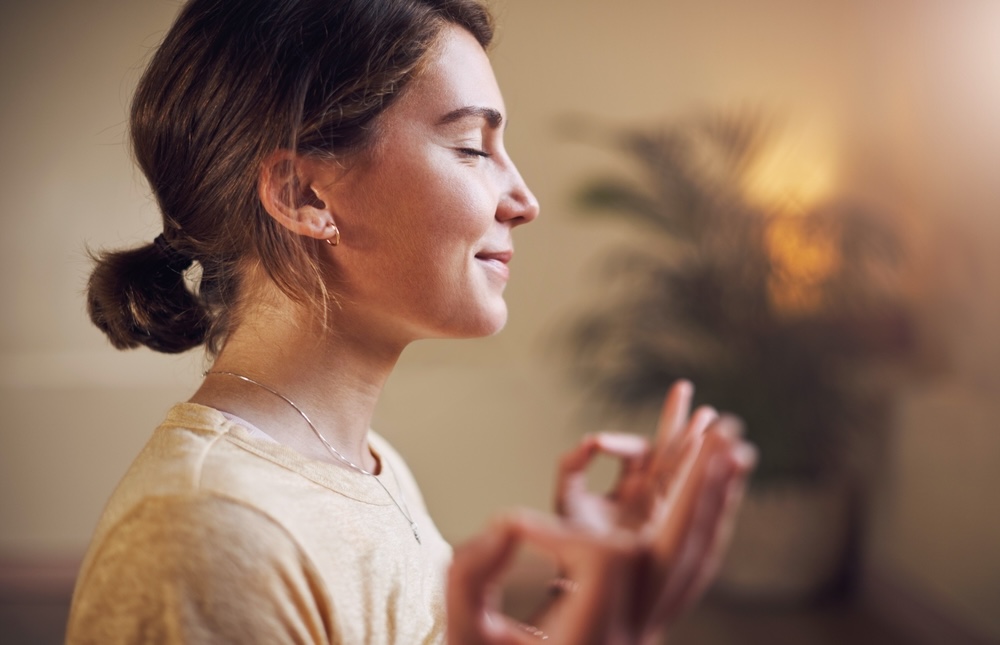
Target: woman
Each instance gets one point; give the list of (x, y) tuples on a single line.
[(336, 169)]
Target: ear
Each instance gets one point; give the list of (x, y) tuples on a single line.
[(285, 190)]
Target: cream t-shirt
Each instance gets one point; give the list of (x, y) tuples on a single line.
[(215, 535)]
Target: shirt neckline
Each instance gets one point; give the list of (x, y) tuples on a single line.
[(336, 477)]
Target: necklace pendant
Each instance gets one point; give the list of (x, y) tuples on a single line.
[(413, 525)]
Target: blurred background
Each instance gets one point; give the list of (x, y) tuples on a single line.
[(888, 109)]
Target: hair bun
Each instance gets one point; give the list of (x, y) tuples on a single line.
[(176, 260), (139, 297)]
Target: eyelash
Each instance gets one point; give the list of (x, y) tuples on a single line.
[(473, 152)]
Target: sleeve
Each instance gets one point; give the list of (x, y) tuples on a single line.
[(186, 569)]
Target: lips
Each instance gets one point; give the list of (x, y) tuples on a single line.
[(500, 256), (497, 261)]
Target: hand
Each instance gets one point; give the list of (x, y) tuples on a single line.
[(678, 496), (596, 611), (646, 472)]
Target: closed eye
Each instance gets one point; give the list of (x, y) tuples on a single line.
[(473, 152)]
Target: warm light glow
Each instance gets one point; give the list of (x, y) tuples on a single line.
[(792, 174), (802, 261)]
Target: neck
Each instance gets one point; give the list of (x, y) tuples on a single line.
[(334, 376)]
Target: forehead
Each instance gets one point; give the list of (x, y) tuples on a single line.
[(458, 74)]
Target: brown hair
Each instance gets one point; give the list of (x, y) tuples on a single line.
[(232, 82)]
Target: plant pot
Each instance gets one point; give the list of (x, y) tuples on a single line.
[(790, 546)]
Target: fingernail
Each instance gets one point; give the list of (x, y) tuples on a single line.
[(621, 442), (707, 414), (730, 425), (745, 455)]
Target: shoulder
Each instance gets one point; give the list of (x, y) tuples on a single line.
[(196, 568), (196, 523)]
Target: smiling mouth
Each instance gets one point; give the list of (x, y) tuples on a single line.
[(503, 257), (496, 262)]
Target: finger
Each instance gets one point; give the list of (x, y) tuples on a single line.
[(633, 452), (620, 444), (567, 545), (673, 518), (702, 419), (696, 547), (720, 522), (673, 474), (572, 480), (669, 472), (474, 616), (673, 417), (479, 560), (707, 537), (504, 630), (475, 569), (722, 536), (673, 430), (602, 569)]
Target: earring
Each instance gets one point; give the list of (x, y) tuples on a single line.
[(334, 238)]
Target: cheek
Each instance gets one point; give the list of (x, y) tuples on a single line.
[(409, 214), (460, 206), (382, 215)]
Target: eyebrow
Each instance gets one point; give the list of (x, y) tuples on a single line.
[(492, 117)]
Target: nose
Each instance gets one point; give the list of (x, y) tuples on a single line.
[(518, 205)]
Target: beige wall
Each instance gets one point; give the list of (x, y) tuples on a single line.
[(897, 99)]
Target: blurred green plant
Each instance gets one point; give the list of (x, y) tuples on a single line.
[(791, 316)]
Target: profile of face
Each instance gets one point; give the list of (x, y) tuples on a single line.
[(426, 217)]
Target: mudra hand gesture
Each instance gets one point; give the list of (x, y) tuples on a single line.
[(633, 559), (596, 611), (677, 497)]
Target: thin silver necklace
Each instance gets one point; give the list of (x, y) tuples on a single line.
[(404, 509)]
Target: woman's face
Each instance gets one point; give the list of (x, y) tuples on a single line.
[(426, 221)]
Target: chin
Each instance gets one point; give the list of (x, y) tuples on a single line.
[(498, 320), (487, 323), (498, 327)]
